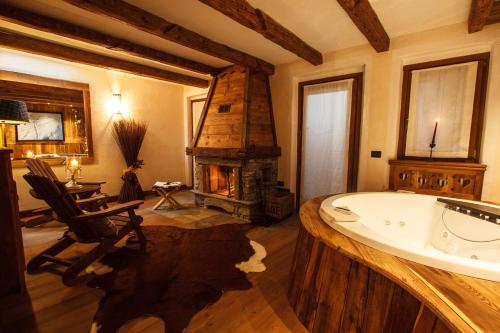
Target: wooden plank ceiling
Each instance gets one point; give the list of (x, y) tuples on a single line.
[(361, 13), (367, 21), (242, 12), (148, 22), (69, 30), (20, 42), (239, 10)]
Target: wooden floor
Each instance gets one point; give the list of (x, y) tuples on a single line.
[(263, 308)]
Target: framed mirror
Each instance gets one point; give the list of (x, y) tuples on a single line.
[(60, 121), (442, 109)]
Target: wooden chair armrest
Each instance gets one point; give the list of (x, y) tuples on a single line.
[(91, 199), (117, 209), (91, 183)]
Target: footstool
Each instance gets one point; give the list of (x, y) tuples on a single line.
[(166, 190)]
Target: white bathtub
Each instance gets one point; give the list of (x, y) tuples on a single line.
[(418, 228)]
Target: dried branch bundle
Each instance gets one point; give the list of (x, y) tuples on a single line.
[(129, 135)]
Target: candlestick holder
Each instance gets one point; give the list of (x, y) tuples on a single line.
[(73, 171), (431, 146)]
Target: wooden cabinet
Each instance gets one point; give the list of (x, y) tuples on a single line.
[(451, 179), (11, 242)]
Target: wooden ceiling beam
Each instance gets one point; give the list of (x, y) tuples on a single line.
[(242, 12), (150, 23), (24, 43), (494, 14), (69, 30), (479, 12), (367, 21)]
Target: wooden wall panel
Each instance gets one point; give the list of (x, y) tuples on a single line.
[(224, 130), (37, 92), (247, 130), (74, 133), (260, 128)]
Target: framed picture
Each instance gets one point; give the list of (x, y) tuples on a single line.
[(43, 126)]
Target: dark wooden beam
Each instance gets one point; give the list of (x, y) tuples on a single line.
[(69, 30), (27, 44), (367, 21), (479, 12), (242, 12), (494, 14), (150, 23)]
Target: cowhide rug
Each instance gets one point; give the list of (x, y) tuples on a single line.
[(182, 271)]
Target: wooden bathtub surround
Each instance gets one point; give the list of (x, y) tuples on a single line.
[(340, 285)]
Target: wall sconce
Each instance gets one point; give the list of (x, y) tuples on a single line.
[(116, 103)]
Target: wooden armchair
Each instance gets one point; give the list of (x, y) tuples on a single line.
[(104, 227)]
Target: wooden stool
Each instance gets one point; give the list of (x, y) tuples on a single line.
[(166, 190)]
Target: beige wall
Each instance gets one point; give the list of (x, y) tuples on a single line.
[(158, 103), (381, 103)]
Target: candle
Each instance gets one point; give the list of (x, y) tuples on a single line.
[(74, 164), (29, 154), (434, 135)]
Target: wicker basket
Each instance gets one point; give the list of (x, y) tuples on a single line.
[(279, 204)]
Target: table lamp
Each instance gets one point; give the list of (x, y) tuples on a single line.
[(74, 169), (12, 113)]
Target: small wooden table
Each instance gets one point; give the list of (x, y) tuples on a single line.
[(83, 192), (166, 191)]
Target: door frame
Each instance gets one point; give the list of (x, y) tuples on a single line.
[(354, 129), (191, 129)]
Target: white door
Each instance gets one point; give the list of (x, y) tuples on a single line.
[(325, 138)]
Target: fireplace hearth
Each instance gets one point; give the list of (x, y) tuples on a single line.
[(234, 148)]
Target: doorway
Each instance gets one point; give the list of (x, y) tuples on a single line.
[(196, 109), (328, 137)]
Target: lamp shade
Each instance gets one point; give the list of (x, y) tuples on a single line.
[(13, 112)]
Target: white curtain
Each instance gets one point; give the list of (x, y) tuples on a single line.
[(327, 109), (445, 93)]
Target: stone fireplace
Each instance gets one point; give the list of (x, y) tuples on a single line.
[(234, 148)]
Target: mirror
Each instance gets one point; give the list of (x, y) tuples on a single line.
[(59, 113), (442, 109)]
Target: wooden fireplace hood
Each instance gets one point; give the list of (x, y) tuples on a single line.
[(237, 121)]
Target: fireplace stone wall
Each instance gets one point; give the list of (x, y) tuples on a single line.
[(253, 180), (236, 131)]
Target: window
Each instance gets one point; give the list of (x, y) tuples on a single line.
[(442, 106), (328, 135)]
